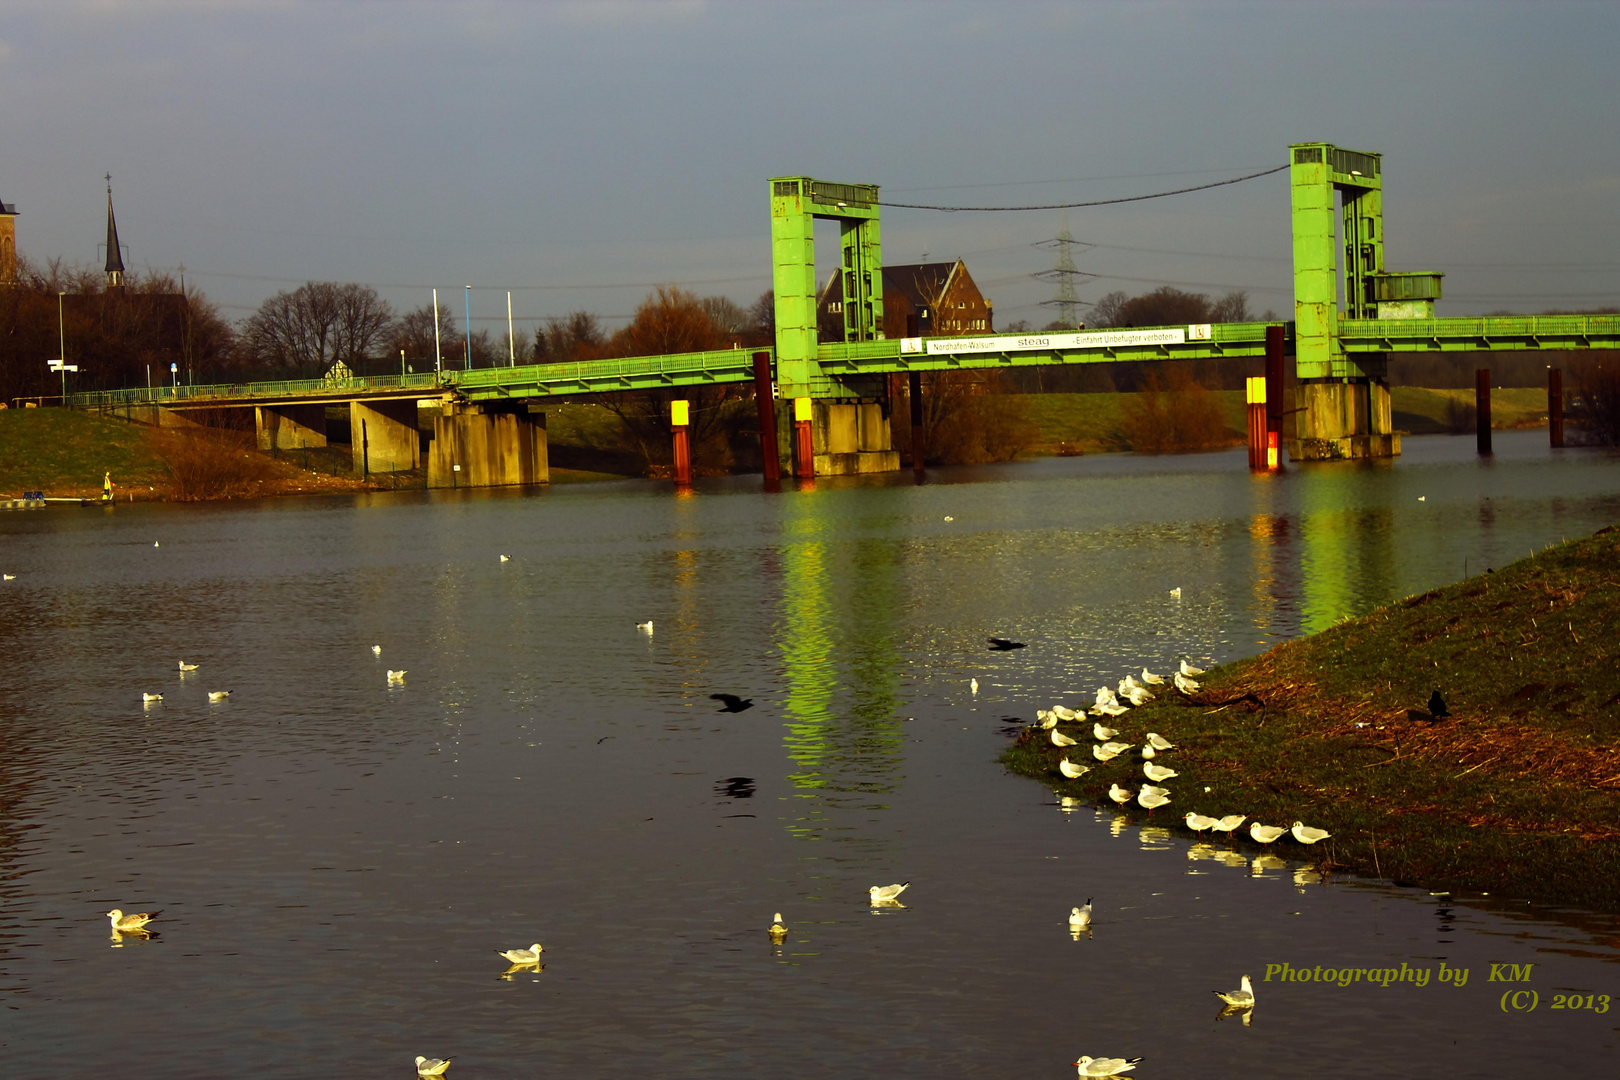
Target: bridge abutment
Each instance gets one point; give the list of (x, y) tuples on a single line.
[(477, 448), (1343, 419), (290, 427), (384, 436), (852, 437)]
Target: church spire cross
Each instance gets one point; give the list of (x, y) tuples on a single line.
[(115, 255)]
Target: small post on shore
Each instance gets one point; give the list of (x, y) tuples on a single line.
[(1255, 399), (1555, 406), (1482, 409), (765, 402), (919, 442), (804, 445), (679, 417)]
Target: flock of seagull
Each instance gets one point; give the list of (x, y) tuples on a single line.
[(1151, 795)]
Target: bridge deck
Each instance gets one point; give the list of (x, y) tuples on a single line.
[(842, 370)]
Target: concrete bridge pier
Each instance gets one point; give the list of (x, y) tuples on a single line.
[(1343, 418), (488, 446), (852, 437), (384, 436), (290, 427)]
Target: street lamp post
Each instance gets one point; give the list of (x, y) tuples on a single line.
[(60, 363)]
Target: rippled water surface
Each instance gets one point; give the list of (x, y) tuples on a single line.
[(337, 859)]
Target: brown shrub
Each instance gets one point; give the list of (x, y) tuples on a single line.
[(1171, 414), (212, 463), (969, 417)]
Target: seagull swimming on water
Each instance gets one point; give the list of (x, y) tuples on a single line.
[(376, 650), (887, 894), (1239, 999), (396, 676), (645, 627), (187, 667), (1080, 917), (1090, 1066), (426, 1066), (531, 955), (218, 695), (732, 703), (506, 558), (149, 698), (777, 930), (122, 923)]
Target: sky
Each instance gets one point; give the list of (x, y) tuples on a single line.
[(580, 153)]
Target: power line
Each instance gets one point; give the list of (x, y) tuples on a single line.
[(1093, 202), (1061, 180)]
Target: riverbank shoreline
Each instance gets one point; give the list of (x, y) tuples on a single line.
[(1516, 793)]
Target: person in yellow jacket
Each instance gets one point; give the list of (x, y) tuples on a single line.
[(106, 488)]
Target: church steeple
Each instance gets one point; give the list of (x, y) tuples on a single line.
[(115, 255)]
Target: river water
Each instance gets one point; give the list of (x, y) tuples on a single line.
[(337, 858)]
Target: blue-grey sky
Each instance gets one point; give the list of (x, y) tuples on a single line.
[(579, 152)]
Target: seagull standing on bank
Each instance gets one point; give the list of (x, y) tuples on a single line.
[(1198, 822), (1159, 742), (1158, 773), (1071, 770), (1307, 835), (1060, 739), (1150, 679), (1265, 834), (1229, 823), (1063, 712), (1190, 671), (1103, 734), (1120, 795), (1185, 685), (1151, 798)]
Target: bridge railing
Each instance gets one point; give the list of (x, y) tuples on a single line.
[(1484, 334), (427, 382), (603, 376)]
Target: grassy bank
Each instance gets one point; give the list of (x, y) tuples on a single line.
[(1518, 793)]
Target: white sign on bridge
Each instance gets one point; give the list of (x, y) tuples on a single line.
[(1082, 339)]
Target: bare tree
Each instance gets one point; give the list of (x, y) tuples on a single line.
[(568, 338), (316, 325), (725, 316), (414, 334)]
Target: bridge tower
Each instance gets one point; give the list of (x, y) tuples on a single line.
[(850, 434), (1342, 400)]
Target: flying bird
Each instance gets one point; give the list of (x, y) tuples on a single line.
[(1305, 834), (732, 703), (531, 955), (1437, 705), (122, 923), (426, 1066), (1239, 999), (887, 894), (1001, 644)]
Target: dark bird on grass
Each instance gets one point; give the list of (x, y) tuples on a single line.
[(733, 703), (1001, 644), (1437, 706)]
